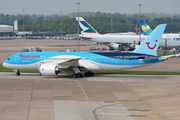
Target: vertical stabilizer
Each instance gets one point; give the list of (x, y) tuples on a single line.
[(145, 28), (151, 44), (85, 27), (136, 30)]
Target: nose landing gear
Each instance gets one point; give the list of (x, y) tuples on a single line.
[(17, 72)]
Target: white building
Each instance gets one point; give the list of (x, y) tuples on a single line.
[(6, 30)]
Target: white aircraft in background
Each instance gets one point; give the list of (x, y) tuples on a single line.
[(173, 39), (110, 39), (119, 41)]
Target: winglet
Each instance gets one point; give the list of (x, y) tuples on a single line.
[(145, 28), (151, 44), (85, 27)]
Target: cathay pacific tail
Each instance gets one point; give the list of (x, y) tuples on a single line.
[(85, 27)]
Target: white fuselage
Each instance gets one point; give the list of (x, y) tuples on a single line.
[(173, 40)]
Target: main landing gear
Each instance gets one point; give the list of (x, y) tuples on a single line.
[(79, 75), (17, 72), (89, 73)]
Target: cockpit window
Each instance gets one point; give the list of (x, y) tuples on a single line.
[(8, 58)]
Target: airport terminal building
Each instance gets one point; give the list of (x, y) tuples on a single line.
[(6, 30)]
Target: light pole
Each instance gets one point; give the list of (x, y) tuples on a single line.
[(61, 22), (139, 25), (111, 22), (78, 24), (23, 22)]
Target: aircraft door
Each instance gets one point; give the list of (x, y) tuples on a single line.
[(126, 59), (42, 59), (92, 58), (17, 59)]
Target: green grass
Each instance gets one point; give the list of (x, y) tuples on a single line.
[(2, 69), (161, 54), (138, 72)]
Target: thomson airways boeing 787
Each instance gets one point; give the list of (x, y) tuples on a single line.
[(51, 63), (119, 41)]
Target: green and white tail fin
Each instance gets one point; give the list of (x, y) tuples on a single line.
[(85, 27)]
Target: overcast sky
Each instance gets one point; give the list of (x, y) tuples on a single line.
[(48, 7)]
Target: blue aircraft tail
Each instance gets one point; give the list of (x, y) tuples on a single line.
[(85, 27), (145, 28), (151, 44)]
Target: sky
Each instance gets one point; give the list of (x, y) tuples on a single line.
[(49, 7)]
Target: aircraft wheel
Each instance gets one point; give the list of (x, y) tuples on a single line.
[(92, 74), (74, 75), (17, 73), (89, 74), (79, 75)]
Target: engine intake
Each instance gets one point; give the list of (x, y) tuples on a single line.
[(116, 46)]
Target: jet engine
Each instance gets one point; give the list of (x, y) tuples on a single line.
[(48, 69), (135, 46), (116, 46)]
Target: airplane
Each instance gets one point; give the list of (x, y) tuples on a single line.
[(119, 41), (145, 28), (173, 40), (51, 63), (90, 34)]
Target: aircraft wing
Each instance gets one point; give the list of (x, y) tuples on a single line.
[(73, 65), (168, 56), (68, 63), (163, 57)]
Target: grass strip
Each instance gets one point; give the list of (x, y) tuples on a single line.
[(161, 54), (138, 72)]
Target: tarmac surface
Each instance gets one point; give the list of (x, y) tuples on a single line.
[(102, 97)]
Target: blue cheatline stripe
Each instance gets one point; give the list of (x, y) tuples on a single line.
[(113, 58)]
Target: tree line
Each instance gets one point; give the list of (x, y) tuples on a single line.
[(100, 21)]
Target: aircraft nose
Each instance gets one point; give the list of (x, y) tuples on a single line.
[(4, 64)]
